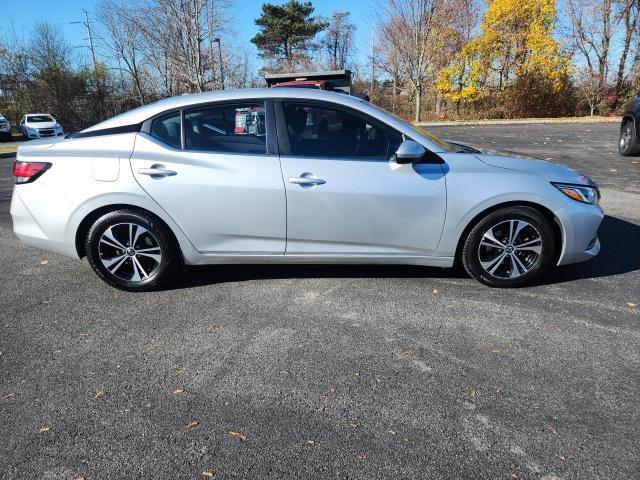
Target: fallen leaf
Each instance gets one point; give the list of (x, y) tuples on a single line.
[(238, 435), (44, 262), (473, 394), (79, 478), (495, 350), (211, 328), (435, 290), (613, 169), (99, 393), (354, 424), (632, 305), (44, 429), (321, 409), (392, 433), (562, 457), (311, 441), (181, 371), (178, 391), (552, 430), (192, 424), (362, 456), (208, 473)]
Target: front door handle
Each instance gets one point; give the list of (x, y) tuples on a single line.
[(156, 171), (306, 180)]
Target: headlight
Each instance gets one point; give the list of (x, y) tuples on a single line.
[(580, 193)]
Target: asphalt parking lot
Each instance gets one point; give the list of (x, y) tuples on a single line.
[(332, 372)]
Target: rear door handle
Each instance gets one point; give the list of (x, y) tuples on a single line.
[(156, 171), (307, 179)]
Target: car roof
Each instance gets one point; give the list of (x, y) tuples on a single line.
[(35, 114), (140, 114)]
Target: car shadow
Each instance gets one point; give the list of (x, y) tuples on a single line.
[(620, 253)]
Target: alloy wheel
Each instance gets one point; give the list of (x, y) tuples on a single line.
[(625, 137), (510, 249), (130, 252)]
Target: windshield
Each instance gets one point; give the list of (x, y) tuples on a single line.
[(39, 118), (437, 140)]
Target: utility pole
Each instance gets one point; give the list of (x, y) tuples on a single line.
[(87, 25), (373, 57), (217, 40)]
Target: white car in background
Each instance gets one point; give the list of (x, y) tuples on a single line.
[(5, 127), (38, 125)]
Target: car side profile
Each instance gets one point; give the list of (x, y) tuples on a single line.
[(293, 176), (38, 125)]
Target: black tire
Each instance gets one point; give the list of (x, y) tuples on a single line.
[(531, 260), (153, 261), (628, 144)]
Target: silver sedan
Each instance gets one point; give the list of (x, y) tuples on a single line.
[(293, 175)]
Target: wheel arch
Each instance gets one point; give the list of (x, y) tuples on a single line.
[(555, 222), (91, 217)]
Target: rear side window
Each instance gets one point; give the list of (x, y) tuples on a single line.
[(229, 128), (167, 129)]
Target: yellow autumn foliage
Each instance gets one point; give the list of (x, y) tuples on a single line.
[(516, 39)]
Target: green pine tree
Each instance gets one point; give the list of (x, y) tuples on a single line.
[(287, 32)]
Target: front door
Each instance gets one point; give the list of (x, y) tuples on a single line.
[(220, 183), (346, 196)]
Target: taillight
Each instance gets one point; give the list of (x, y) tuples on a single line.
[(25, 172)]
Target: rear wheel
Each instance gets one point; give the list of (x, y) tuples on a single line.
[(510, 247), (132, 250), (628, 144)]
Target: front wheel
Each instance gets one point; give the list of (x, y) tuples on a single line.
[(132, 250), (628, 144), (510, 247)]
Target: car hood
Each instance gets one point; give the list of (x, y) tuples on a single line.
[(41, 124), (521, 162)]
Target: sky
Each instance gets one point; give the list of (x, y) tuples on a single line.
[(22, 14)]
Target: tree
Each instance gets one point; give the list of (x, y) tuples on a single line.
[(180, 36), (594, 26), (125, 43), (515, 43), (286, 33), (410, 30), (589, 88), (339, 41)]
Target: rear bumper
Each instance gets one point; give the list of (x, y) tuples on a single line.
[(27, 229), (580, 223)]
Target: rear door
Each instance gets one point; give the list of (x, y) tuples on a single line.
[(345, 194), (215, 171)]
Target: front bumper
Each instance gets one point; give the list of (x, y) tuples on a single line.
[(37, 134), (580, 223)]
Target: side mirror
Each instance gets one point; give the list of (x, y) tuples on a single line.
[(409, 152)]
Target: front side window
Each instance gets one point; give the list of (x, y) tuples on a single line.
[(322, 131), (167, 129), (229, 128)]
